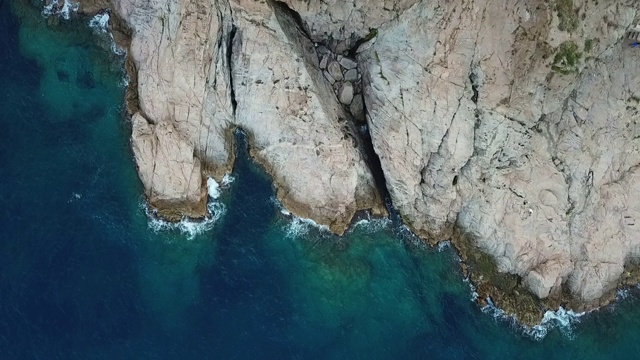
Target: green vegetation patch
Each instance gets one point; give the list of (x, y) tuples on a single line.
[(588, 45), (567, 14), (567, 58), (373, 32)]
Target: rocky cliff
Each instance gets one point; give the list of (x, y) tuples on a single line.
[(204, 68), (510, 127)]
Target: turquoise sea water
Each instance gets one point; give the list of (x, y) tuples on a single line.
[(83, 275)]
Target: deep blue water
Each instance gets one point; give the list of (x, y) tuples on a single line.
[(84, 276)]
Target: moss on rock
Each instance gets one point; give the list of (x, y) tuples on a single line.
[(568, 15), (567, 58)]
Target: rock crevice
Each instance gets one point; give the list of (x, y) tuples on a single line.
[(516, 135)]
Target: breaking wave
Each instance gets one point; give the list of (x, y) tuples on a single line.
[(100, 24), (372, 225), (472, 288), (64, 11), (444, 245), (213, 188), (190, 227), (561, 319), (297, 226)]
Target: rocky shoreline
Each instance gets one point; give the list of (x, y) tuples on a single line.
[(515, 138)]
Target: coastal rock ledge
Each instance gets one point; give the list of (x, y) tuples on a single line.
[(508, 127)]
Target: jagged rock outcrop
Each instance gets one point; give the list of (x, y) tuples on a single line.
[(518, 130), (179, 51), (170, 174), (206, 67), (515, 133), (345, 21), (299, 131)]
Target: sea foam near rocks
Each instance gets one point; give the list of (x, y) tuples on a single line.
[(564, 320), (444, 245), (213, 188), (189, 227), (100, 24), (297, 226), (64, 12), (371, 225), (561, 319)]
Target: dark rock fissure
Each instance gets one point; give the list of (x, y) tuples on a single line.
[(354, 49), (232, 94), (473, 78), (362, 135), (283, 7), (375, 166)]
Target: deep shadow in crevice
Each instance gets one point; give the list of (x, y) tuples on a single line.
[(232, 94), (359, 133), (284, 8)]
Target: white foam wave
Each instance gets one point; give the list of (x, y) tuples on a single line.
[(561, 319), (227, 179), (124, 82), (372, 225), (443, 245), (100, 22), (189, 227), (622, 294), (213, 188), (474, 293), (298, 227), (53, 8)]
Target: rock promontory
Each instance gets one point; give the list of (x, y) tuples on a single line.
[(511, 128), (204, 68)]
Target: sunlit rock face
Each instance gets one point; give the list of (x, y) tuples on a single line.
[(515, 123)]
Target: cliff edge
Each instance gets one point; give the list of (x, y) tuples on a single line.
[(508, 127)]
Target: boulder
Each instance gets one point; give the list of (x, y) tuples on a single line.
[(346, 93)]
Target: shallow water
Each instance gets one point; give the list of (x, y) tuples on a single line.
[(83, 275)]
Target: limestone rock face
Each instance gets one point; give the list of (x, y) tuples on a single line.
[(519, 130), (204, 67), (522, 135), (298, 129), (169, 172), (346, 19), (180, 52)]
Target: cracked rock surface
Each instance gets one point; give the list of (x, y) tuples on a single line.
[(299, 130), (178, 48), (519, 131), (477, 127), (205, 67)]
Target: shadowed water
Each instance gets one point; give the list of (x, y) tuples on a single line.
[(84, 276)]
